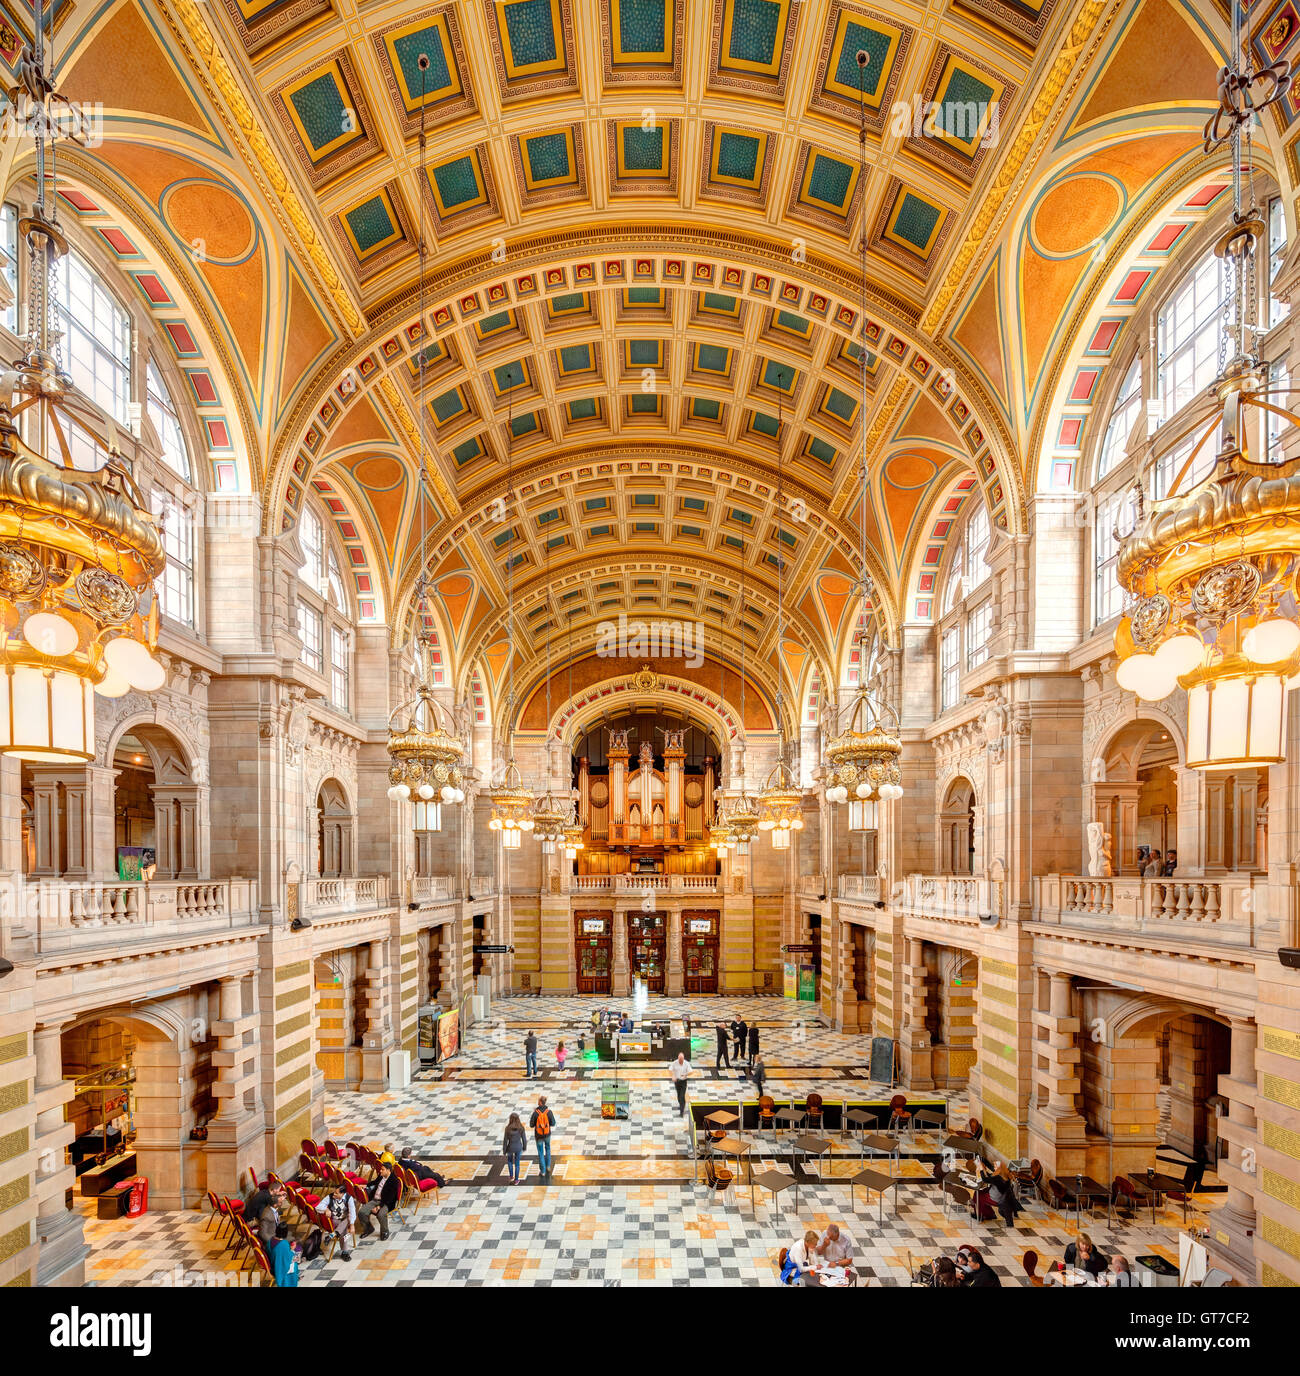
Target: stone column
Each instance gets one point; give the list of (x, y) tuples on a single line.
[(377, 1040), (1059, 1120), (674, 982), (47, 822), (59, 1230), (917, 1051), (1245, 804), (621, 975), (1232, 1227)]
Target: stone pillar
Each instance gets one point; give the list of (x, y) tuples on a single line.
[(1232, 1228), (1188, 1082), (674, 971), (59, 1230), (1245, 804), (1215, 814), (1058, 1123), (621, 975), (917, 1050), (377, 1039), (47, 822)]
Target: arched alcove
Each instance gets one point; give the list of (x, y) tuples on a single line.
[(334, 830)]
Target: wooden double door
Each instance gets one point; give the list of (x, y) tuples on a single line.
[(700, 945), (647, 949), (593, 940)]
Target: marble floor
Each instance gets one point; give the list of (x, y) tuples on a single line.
[(623, 1205)]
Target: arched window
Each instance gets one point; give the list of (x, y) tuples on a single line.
[(163, 418), (324, 610), (96, 337), (966, 622), (1123, 417)]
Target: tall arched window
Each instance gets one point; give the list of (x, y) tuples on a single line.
[(1188, 330), (163, 418), (966, 622), (96, 337), (324, 610), (1123, 417)]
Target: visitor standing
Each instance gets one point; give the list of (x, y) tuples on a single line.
[(542, 1122), (530, 1055), (679, 1072), (513, 1144), (753, 1044), (742, 1040), (560, 1054), (722, 1058)]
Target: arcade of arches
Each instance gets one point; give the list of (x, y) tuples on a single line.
[(596, 480)]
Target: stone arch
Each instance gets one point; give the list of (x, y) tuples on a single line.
[(333, 828), (175, 787), (1136, 773), (960, 839)]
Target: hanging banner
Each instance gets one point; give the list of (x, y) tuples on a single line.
[(791, 977), (807, 983)]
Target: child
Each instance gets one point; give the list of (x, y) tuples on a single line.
[(560, 1054)]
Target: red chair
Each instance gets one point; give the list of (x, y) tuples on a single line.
[(419, 1187), (225, 1209), (309, 1147), (331, 1151), (1030, 1262)]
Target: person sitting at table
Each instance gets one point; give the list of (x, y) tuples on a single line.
[(943, 1275), (1085, 1256), (800, 1259), (1002, 1191), (1119, 1271), (979, 1276), (624, 1023), (836, 1247)]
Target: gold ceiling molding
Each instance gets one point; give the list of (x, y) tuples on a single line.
[(411, 430), (1024, 153), (879, 423), (200, 41)]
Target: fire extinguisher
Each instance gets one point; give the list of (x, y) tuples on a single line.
[(139, 1200)]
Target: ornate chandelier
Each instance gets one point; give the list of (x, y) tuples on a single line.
[(424, 758), (551, 817), (780, 806), (742, 819), (79, 552), (573, 834), (1211, 572), (864, 752), (512, 807)]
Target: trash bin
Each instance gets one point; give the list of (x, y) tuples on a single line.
[(1156, 1271), (139, 1197)]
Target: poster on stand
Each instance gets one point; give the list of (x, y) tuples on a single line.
[(790, 986), (448, 1035), (807, 983)]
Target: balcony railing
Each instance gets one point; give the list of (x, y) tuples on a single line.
[(1223, 909), (428, 887), (589, 883), (68, 913), (482, 885), (814, 885), (688, 884), (865, 886), (344, 894), (957, 897)]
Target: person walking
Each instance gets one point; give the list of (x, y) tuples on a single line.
[(530, 1055), (542, 1122), (758, 1072), (513, 1144), (679, 1072), (722, 1058), (560, 1054), (753, 1044)]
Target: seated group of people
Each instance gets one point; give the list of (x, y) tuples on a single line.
[(812, 1255), (968, 1267), (337, 1209), (1083, 1254)]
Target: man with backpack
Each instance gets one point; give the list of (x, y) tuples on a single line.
[(530, 1055), (541, 1122)]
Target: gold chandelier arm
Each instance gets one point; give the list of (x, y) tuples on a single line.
[(1191, 458)]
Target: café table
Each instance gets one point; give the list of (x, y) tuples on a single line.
[(811, 1146), (859, 1119), (837, 1277), (1166, 1184), (873, 1180), (1079, 1191), (733, 1146), (789, 1118), (1072, 1275), (776, 1181), (723, 1119), (1144, 1193), (878, 1143)]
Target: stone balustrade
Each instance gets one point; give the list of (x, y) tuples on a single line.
[(344, 894), (963, 898), (865, 886), (1224, 908), (592, 883), (430, 887), (483, 885), (65, 914), (814, 885), (693, 885)]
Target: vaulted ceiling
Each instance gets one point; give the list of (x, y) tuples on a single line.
[(643, 222)]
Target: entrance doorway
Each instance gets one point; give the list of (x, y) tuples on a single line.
[(700, 951), (647, 946), (594, 946)]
